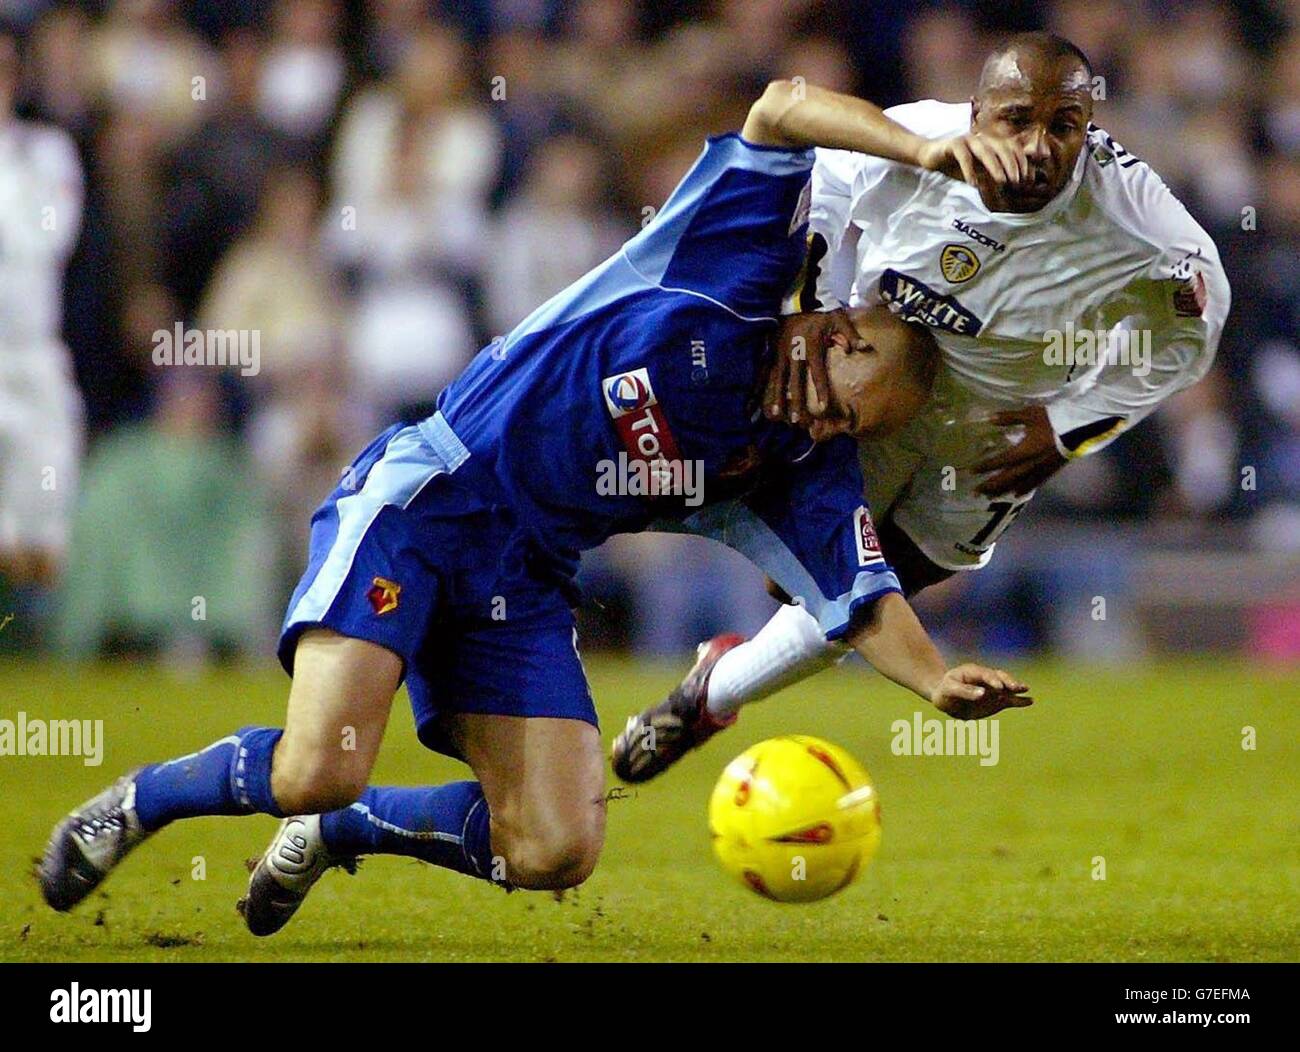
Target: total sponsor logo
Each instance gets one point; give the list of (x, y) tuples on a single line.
[(864, 533), (627, 392), (638, 417), (651, 464)]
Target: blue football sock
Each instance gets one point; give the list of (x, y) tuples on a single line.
[(444, 824), (230, 777)]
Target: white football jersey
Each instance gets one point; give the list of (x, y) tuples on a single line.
[(40, 216), (1099, 305)]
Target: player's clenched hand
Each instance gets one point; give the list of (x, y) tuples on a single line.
[(965, 156), (801, 343), (1026, 465), (972, 692)]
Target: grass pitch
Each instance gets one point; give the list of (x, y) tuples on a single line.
[(1141, 767)]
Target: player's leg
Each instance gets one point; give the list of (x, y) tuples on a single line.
[(543, 781), (445, 825), (497, 683), (535, 819), (510, 698), (339, 702), (348, 633), (338, 707)]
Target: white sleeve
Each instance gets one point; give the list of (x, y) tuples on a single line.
[(840, 181), (1179, 304), (833, 177), (832, 239)]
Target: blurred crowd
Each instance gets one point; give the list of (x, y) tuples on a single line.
[(380, 188)]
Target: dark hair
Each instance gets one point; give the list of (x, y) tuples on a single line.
[(1046, 45)]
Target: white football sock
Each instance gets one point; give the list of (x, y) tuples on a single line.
[(787, 649)]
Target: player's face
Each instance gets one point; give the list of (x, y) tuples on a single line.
[(873, 392), (1045, 108)]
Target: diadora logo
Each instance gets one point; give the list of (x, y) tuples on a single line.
[(627, 392), (962, 227), (915, 301), (864, 532)]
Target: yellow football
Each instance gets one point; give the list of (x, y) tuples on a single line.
[(795, 818)]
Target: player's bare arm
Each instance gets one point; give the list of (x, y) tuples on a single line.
[(803, 115), (787, 114), (1028, 463), (897, 645)]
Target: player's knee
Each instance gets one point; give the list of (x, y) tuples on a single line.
[(313, 793), (554, 860), (306, 783)]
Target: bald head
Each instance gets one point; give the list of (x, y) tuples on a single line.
[(876, 390), (1024, 58), (1036, 89)]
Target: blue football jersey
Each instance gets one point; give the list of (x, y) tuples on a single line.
[(629, 400)]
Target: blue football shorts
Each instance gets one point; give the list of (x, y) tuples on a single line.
[(416, 553)]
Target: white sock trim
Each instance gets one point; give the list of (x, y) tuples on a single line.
[(788, 648)]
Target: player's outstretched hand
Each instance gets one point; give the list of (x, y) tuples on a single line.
[(801, 343), (965, 156), (973, 692), (1027, 464)]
